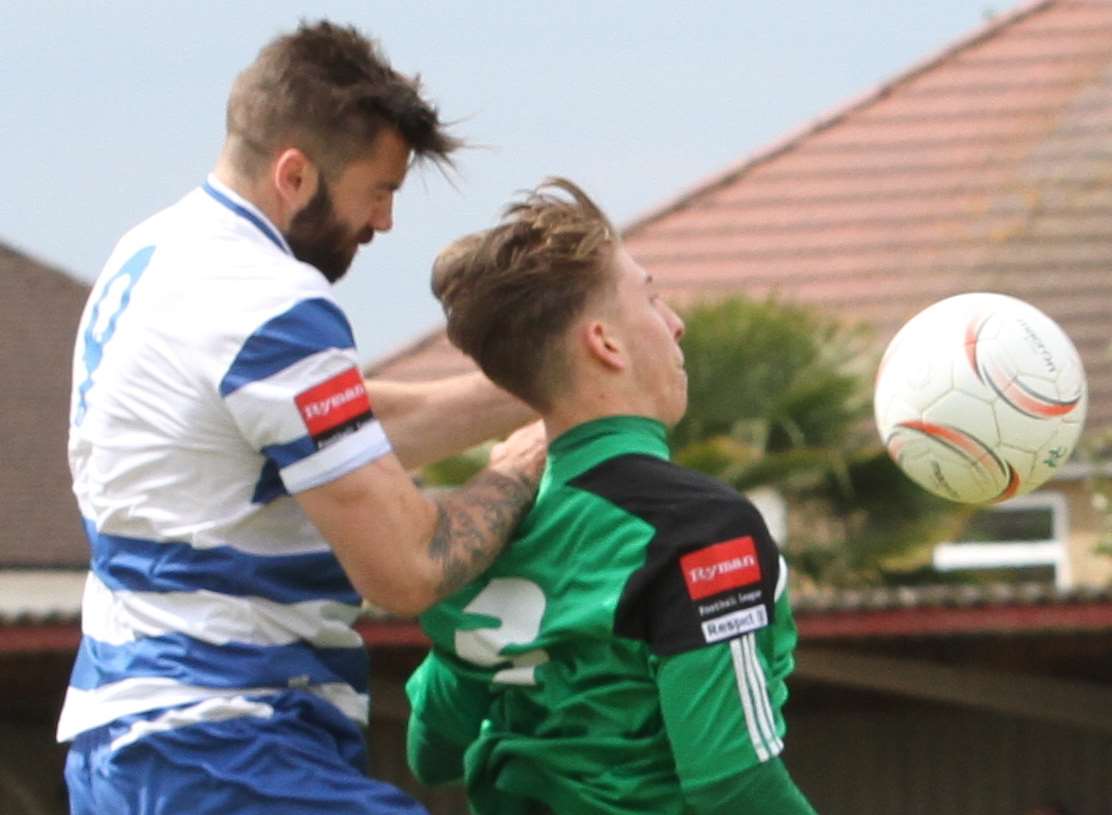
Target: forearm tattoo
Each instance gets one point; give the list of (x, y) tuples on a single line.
[(474, 523)]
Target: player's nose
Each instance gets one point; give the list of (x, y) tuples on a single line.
[(382, 216)]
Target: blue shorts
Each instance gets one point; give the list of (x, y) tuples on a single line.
[(306, 758)]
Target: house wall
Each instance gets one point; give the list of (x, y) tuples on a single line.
[(31, 769), (857, 754), (31, 690), (1088, 566), (852, 752)]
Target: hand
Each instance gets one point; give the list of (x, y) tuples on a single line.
[(522, 454)]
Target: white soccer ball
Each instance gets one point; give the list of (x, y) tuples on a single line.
[(980, 397)]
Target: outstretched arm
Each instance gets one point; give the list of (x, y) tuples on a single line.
[(429, 421), (402, 550)]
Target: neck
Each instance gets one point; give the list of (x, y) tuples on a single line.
[(586, 405), (254, 190)]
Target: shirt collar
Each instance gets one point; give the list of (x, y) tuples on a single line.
[(228, 198), (585, 445)]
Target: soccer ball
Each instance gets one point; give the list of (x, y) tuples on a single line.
[(980, 398)]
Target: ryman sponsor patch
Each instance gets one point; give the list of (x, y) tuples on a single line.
[(720, 567), (336, 406)]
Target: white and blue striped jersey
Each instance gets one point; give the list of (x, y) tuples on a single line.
[(214, 375)]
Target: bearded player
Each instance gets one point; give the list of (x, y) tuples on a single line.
[(627, 652), (239, 493)]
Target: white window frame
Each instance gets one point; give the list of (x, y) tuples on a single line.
[(1012, 554)]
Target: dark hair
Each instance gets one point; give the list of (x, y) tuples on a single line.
[(329, 91), (511, 292)]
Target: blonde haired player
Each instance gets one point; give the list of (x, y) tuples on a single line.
[(627, 653)]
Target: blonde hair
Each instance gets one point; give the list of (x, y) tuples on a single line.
[(510, 293)]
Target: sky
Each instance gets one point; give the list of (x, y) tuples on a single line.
[(112, 110)]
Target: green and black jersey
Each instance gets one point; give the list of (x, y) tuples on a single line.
[(626, 653)]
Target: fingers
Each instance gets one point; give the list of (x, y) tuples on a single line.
[(522, 453)]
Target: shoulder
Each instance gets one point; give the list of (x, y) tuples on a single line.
[(711, 568), (264, 310), (633, 474), (637, 480), (681, 504), (197, 253), (252, 291)]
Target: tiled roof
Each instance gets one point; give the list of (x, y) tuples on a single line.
[(951, 610), (987, 167), (428, 357), (39, 310), (827, 600)]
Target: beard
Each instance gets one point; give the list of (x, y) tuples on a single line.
[(317, 237)]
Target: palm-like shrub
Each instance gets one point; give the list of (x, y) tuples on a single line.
[(780, 397)]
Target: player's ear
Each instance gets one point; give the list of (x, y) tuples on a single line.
[(295, 178), (602, 344)]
